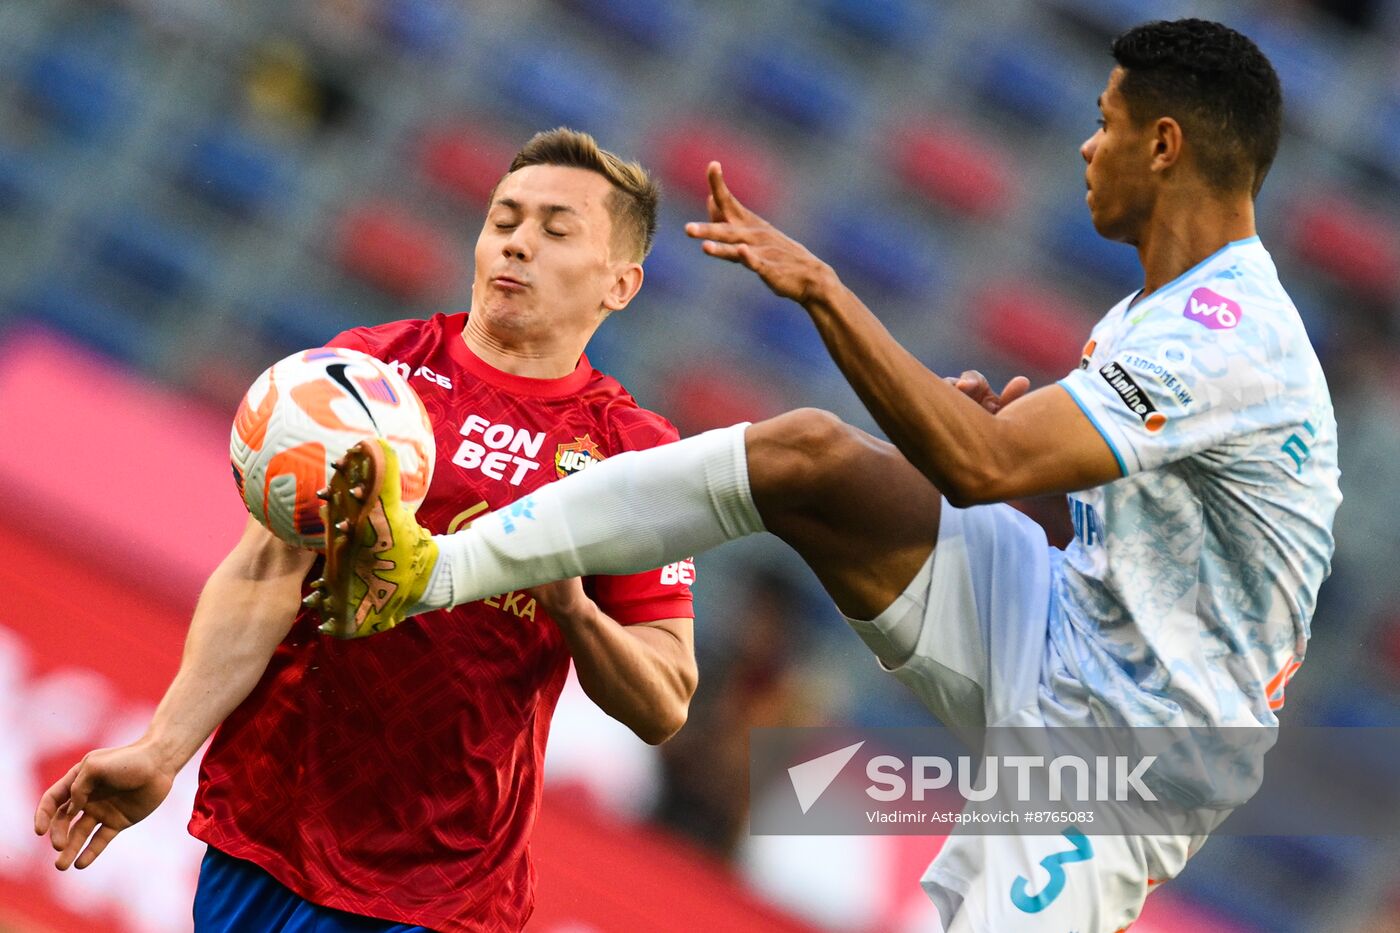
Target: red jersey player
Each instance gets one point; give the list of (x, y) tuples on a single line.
[(398, 777)]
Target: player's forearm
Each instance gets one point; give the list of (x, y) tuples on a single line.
[(642, 676), (245, 610), (950, 438)]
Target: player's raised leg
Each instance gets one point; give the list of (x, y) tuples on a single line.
[(850, 505)]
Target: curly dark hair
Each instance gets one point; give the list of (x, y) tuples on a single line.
[(1216, 84)]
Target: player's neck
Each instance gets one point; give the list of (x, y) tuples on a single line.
[(533, 359), (1181, 235)]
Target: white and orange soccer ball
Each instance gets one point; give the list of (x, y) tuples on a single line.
[(301, 415)]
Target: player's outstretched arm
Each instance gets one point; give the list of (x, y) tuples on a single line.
[(246, 609), (1041, 444), (642, 675)]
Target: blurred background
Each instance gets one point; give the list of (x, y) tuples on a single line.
[(190, 190)]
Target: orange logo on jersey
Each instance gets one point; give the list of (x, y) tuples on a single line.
[(578, 455), (1088, 352)]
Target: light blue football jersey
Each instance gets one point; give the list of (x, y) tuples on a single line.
[(1186, 595)]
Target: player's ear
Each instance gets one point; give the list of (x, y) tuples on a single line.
[(627, 281), (1167, 141)]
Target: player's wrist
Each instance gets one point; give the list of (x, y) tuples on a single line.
[(167, 753), (823, 285)]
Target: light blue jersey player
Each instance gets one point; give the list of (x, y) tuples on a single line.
[(1196, 442), (1185, 597)]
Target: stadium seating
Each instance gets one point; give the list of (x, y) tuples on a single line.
[(82, 314), (148, 251), (1032, 326), (1356, 246), (1081, 251), (552, 85), (904, 24), (795, 84), (876, 245), (77, 90), (654, 25), (430, 28), (955, 169), (237, 172), (385, 246), (1029, 80), (685, 148), (25, 182), (464, 161), (297, 320)]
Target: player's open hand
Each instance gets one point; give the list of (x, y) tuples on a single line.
[(975, 386), (737, 234), (108, 791)]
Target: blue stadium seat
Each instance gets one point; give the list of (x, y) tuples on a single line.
[(76, 311), (1080, 249), (554, 86), (149, 252), (877, 247), (297, 320), (24, 182), (892, 23), (657, 25), (676, 264), (1384, 144), (1030, 80), (1114, 16), (237, 172), (423, 27), (1213, 879), (783, 333), (76, 89), (1306, 66), (796, 85)]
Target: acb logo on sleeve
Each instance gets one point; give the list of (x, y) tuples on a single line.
[(576, 456)]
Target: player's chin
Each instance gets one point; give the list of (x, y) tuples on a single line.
[(1105, 224)]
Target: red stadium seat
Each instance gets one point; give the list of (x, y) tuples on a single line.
[(464, 162), (956, 170), (683, 151), (711, 395), (1033, 326), (1351, 243), (385, 246)]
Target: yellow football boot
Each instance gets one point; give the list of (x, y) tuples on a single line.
[(378, 558)]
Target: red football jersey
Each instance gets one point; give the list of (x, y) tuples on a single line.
[(398, 776)]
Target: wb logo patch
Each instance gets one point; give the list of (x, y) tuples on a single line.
[(576, 456)]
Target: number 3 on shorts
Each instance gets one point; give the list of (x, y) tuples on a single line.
[(1054, 865)]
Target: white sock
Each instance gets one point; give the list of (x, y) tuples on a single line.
[(629, 513)]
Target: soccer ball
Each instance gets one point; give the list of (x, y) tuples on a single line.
[(301, 415)]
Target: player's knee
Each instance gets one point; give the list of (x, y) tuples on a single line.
[(796, 450)]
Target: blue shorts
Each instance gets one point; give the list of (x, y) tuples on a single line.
[(235, 896)]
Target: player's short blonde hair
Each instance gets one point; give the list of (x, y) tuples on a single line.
[(634, 198)]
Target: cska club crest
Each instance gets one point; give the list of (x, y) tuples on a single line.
[(580, 454)]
